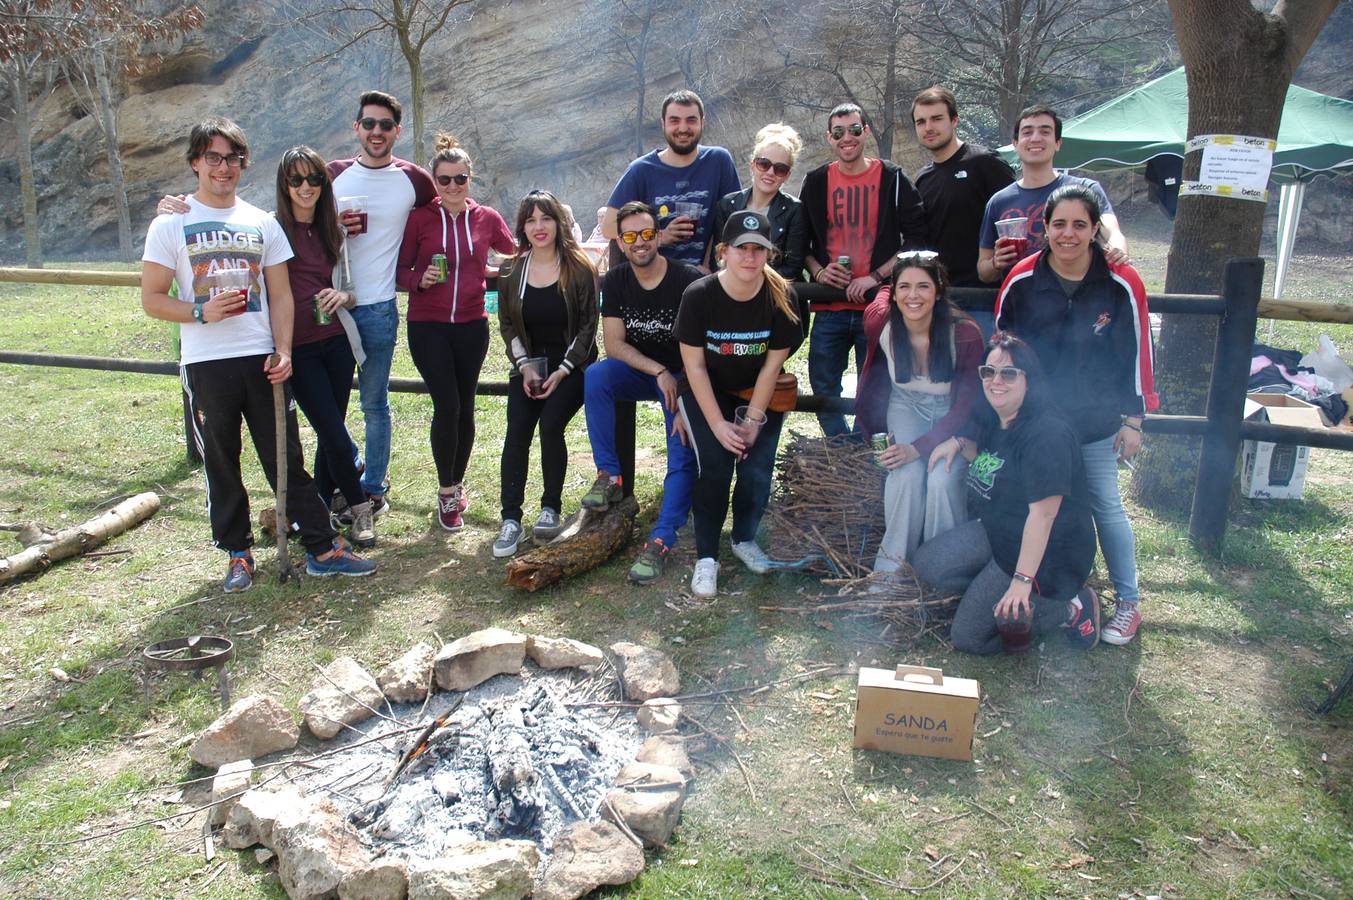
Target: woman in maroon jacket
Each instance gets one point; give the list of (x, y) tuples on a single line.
[(448, 327), (918, 385)]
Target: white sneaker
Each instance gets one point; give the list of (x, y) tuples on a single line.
[(509, 536), (705, 580), (752, 556)]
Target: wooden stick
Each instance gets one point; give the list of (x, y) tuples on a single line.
[(82, 538)]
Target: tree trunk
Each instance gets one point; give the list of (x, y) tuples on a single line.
[(888, 108), (415, 59), (1239, 64), (641, 81), (107, 115), (21, 88)]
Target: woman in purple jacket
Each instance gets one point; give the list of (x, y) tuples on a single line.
[(448, 326), (918, 385)]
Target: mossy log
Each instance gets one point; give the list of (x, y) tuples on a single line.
[(592, 539)]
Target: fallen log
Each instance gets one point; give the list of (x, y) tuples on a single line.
[(80, 539), (589, 542)]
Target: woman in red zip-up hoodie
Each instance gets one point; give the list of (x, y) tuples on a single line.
[(448, 327)]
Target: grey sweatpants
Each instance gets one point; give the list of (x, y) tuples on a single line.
[(959, 560)]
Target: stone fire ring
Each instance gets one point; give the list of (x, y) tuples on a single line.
[(321, 854)]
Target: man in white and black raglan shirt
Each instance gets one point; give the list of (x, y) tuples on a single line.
[(229, 337), (391, 189)]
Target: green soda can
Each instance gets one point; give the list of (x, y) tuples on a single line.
[(443, 269), (879, 442), (844, 262), (322, 315)]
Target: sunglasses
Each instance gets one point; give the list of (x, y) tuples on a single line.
[(764, 165), (839, 131), (233, 160), (644, 234), (1008, 373), (914, 258), (314, 179), (370, 124), (445, 180)]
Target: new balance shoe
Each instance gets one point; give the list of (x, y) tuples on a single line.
[(547, 525), (339, 561), (240, 572), (509, 538), (648, 567), (1082, 628), (363, 531), (752, 556), (604, 492), (1122, 628), (448, 511)]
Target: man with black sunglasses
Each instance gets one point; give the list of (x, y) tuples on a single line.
[(390, 189), (639, 303), (680, 182), (863, 210)]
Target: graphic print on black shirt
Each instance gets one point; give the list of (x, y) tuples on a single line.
[(648, 316), (982, 473), (735, 335)]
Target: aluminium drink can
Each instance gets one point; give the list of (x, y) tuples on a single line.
[(322, 316), (844, 262), (879, 441), (443, 270)]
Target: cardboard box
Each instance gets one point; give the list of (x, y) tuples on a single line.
[(1276, 471), (916, 710)]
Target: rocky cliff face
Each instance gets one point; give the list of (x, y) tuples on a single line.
[(529, 88)]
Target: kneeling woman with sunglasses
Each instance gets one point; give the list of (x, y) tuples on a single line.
[(736, 328), (548, 318), (773, 155), (1021, 565), (448, 326)]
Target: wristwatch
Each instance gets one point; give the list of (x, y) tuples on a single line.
[(197, 314)]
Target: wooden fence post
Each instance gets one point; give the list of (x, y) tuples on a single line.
[(1242, 282)]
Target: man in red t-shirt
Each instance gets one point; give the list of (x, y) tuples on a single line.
[(864, 209)]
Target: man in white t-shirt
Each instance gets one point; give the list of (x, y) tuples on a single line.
[(230, 335), (388, 189)]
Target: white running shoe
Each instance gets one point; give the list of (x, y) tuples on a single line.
[(705, 580), (752, 556)]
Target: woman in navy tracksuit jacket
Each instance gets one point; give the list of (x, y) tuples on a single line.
[(1087, 320)]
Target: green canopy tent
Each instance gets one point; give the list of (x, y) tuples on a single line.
[(1316, 135)]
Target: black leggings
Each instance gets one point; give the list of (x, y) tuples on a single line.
[(553, 414), (450, 357), (321, 380)]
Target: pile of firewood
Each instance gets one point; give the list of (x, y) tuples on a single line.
[(827, 511)]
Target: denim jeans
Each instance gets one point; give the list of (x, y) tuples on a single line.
[(1111, 522), (835, 332), (918, 502), (610, 381), (378, 324), (715, 466)]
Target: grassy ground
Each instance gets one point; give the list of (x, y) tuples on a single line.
[(1186, 764)]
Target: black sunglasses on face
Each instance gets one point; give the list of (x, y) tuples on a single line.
[(764, 165), (646, 234), (1008, 373), (233, 160), (445, 180), (314, 179), (839, 131), (371, 124)]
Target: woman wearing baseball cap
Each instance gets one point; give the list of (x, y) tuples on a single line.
[(736, 328)]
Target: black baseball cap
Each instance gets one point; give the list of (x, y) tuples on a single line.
[(747, 227)]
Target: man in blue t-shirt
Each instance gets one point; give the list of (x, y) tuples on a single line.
[(681, 182), (1037, 138)]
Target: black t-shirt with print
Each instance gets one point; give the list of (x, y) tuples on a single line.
[(648, 315), (735, 335), (955, 193), (1036, 457)]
